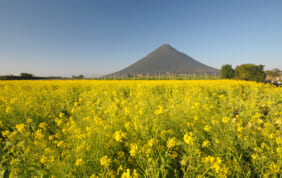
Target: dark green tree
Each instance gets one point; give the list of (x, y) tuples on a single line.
[(250, 72), (26, 75), (227, 71), (78, 77)]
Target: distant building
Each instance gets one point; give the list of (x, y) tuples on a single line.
[(277, 76)]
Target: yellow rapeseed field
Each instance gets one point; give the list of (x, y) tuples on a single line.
[(125, 129)]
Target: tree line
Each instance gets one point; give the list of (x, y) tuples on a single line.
[(249, 72), (26, 76)]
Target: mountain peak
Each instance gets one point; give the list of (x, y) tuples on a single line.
[(166, 46)]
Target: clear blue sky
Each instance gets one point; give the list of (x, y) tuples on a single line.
[(66, 37)]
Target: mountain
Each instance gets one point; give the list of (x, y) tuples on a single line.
[(166, 59)]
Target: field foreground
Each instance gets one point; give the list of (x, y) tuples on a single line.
[(140, 129)]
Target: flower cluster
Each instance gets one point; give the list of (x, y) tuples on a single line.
[(87, 128)]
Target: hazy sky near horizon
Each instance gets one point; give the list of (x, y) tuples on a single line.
[(93, 37)]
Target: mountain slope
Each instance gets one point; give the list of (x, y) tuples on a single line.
[(167, 59)]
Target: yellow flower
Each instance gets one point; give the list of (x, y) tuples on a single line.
[(127, 125), (160, 110), (133, 149), (51, 137), (79, 162), (254, 156), (206, 144), (20, 127), (151, 142), (134, 174), (119, 135), (219, 167), (195, 118), (5, 133), (210, 159), (28, 120), (279, 140), (48, 150), (39, 135), (60, 143), (60, 122), (188, 138), (207, 128), (94, 176), (225, 119), (13, 162), (9, 109), (239, 129), (105, 161), (43, 125), (120, 168), (274, 168), (271, 135), (14, 172), (190, 124), (11, 136), (43, 160), (126, 174), (279, 150), (171, 142), (61, 115)]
